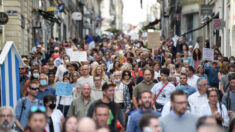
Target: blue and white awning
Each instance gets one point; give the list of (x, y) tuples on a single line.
[(10, 60)]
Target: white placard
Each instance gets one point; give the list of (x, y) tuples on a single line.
[(69, 51), (134, 36), (79, 56), (208, 54), (77, 16)]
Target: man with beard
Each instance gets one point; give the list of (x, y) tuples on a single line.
[(24, 104), (146, 84), (108, 99), (6, 119), (145, 107), (178, 120)]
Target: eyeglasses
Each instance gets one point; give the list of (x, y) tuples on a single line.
[(117, 75), (8, 116), (97, 80), (211, 89), (21, 68), (213, 96), (181, 103), (126, 74), (35, 88), (38, 109)]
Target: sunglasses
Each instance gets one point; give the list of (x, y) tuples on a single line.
[(38, 109), (35, 88)]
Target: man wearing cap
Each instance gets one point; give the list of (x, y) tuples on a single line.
[(190, 53), (108, 99), (212, 73)]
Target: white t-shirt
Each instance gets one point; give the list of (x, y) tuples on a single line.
[(83, 80), (60, 72), (192, 81), (56, 117), (118, 94), (164, 97)]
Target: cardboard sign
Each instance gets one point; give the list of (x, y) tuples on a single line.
[(64, 89), (153, 40), (78, 56), (208, 54)]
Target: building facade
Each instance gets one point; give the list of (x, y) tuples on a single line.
[(18, 27)]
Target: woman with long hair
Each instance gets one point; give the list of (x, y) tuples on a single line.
[(222, 72), (70, 124), (215, 108), (127, 80), (201, 72), (98, 70), (197, 56)]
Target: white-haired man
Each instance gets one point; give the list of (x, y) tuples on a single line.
[(6, 119)]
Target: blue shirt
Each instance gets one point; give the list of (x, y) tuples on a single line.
[(188, 90), (23, 108), (42, 94), (133, 122), (176, 116), (203, 75), (212, 76)]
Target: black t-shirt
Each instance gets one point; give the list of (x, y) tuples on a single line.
[(52, 70), (114, 109), (130, 86)]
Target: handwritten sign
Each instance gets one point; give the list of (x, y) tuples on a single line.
[(64, 89), (208, 54), (69, 51), (153, 40), (79, 56)]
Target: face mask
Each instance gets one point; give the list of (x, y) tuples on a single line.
[(43, 82), (52, 106), (117, 80), (35, 75), (232, 61), (66, 61)]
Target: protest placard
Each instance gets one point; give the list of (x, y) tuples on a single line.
[(69, 51), (134, 36), (64, 89), (208, 54), (78, 56), (153, 40)]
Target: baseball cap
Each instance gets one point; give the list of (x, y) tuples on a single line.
[(225, 59), (214, 62), (107, 84)]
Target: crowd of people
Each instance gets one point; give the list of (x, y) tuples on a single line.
[(123, 86)]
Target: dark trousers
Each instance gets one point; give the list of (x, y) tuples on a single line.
[(64, 109)]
